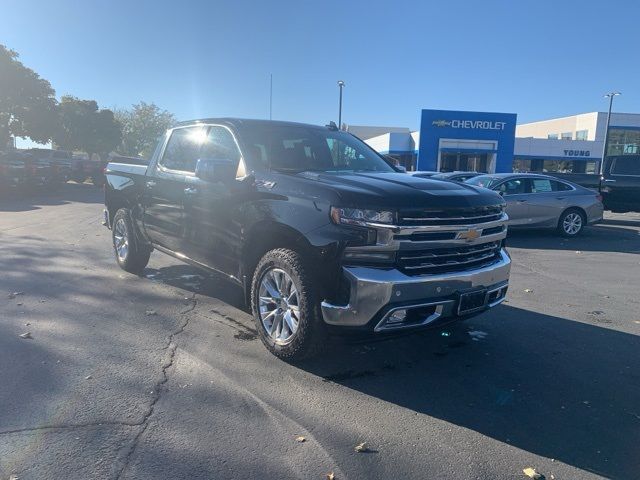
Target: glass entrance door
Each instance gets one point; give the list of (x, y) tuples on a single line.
[(464, 162)]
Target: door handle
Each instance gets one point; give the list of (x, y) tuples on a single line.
[(190, 190), (150, 184)]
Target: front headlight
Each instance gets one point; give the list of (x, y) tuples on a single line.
[(357, 216)]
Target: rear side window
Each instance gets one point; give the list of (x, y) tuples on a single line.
[(540, 185), (560, 186), (626, 166), (183, 150)]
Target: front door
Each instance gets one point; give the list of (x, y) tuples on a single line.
[(463, 162), (211, 236), (515, 194), (164, 188)]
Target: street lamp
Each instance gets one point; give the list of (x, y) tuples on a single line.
[(610, 96), (340, 85)]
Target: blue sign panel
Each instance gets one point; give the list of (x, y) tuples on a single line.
[(456, 125)]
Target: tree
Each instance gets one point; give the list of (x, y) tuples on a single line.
[(141, 127), (85, 127), (27, 102)]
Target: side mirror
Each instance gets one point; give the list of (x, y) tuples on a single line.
[(216, 169), (501, 193)]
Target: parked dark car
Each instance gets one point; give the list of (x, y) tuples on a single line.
[(542, 201), (320, 232), (60, 162), (423, 173), (13, 171), (619, 184)]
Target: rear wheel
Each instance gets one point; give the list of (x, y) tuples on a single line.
[(285, 306), (571, 222), (130, 256)]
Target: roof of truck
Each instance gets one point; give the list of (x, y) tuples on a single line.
[(243, 122)]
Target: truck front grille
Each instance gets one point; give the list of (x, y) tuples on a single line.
[(452, 259), (453, 216)]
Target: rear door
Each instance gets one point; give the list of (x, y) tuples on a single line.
[(514, 192), (622, 184), (164, 188), (547, 200)]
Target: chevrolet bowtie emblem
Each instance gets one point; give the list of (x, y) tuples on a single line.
[(441, 123), (469, 235)]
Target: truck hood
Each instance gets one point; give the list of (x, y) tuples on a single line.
[(399, 190)]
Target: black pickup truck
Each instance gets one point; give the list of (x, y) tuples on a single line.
[(619, 183), (320, 231)]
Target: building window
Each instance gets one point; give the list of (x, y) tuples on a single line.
[(566, 136), (623, 142), (582, 134), (552, 136), (521, 165)]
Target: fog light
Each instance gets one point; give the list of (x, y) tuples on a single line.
[(398, 316)]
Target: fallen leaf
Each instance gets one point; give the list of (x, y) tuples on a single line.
[(362, 447), (14, 477), (26, 335), (300, 439), (331, 476), (528, 290), (531, 473), (150, 312)]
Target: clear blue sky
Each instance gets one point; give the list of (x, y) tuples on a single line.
[(538, 58)]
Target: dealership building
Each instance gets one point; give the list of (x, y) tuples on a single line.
[(493, 142)]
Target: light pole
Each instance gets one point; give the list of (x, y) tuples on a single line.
[(340, 85), (610, 96)]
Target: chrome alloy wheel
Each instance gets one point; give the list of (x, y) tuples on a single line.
[(121, 239), (278, 305), (572, 223)]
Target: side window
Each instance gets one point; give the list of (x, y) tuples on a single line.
[(560, 186), (512, 187), (540, 185), (626, 166), (221, 145), (183, 150)]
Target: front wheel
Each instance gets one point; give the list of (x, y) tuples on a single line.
[(571, 223), (130, 256), (285, 306)]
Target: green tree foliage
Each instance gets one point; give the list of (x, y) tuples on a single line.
[(85, 127), (27, 102), (141, 127)]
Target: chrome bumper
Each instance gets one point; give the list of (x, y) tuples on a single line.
[(375, 294)]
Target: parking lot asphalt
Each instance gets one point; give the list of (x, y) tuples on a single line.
[(162, 376)]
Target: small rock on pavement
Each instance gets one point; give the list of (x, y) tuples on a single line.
[(531, 473), (331, 476), (88, 377), (26, 335), (301, 439), (362, 447), (150, 312)]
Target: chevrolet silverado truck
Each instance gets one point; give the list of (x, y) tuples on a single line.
[(318, 229)]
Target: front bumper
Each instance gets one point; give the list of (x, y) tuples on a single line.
[(375, 294)]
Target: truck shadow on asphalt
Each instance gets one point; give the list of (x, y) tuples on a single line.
[(610, 236), (34, 199), (558, 388)]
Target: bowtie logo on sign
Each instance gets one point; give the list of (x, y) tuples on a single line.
[(470, 124)]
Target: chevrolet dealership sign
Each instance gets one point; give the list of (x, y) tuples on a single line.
[(471, 124)]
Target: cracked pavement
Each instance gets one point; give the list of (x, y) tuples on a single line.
[(107, 390)]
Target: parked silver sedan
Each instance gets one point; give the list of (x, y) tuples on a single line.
[(541, 201)]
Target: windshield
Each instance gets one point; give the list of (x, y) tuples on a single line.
[(486, 181), (299, 148)]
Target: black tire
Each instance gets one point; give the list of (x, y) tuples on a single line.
[(135, 257), (571, 222), (311, 334)]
